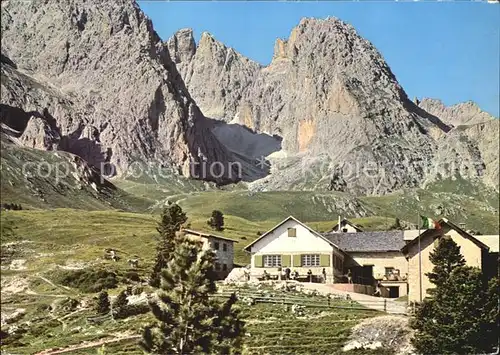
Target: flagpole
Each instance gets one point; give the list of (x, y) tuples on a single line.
[(419, 260)]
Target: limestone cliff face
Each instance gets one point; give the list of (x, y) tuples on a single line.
[(215, 75), (344, 120), (328, 93), (455, 115), (93, 78), (108, 83), (471, 147)]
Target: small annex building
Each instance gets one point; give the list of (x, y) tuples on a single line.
[(346, 226), (375, 258), (223, 248), (475, 252)]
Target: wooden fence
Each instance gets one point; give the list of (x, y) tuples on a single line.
[(329, 302)]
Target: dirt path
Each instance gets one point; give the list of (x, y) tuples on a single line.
[(87, 345), (372, 302), (53, 284)]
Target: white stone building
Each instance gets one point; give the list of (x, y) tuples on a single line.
[(292, 244)]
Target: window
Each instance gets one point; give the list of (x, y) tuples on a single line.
[(337, 262), (344, 230), (389, 271), (292, 232), (224, 247), (310, 260), (224, 267), (272, 260), (216, 245)]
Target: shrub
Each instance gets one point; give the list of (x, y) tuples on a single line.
[(12, 206), (102, 306), (43, 328), (132, 276), (88, 280), (120, 305), (137, 290)]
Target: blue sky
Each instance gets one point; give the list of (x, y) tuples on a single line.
[(442, 50)]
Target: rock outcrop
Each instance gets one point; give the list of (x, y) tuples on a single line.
[(215, 75), (455, 115), (40, 135), (343, 120), (108, 84), (94, 79)]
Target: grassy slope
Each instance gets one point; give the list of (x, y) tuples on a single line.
[(21, 169), (81, 236), (270, 328)]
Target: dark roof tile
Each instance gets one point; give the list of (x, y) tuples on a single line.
[(367, 241)]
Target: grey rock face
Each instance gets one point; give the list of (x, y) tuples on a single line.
[(455, 115), (215, 75), (470, 151), (345, 122), (121, 96), (39, 135)]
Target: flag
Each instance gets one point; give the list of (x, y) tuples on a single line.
[(429, 223)]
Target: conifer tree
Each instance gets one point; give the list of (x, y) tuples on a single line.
[(445, 257), (217, 220), (461, 316), (458, 319), (397, 225), (189, 321), (172, 219), (120, 305), (102, 305)]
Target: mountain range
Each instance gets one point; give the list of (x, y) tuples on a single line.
[(95, 80)]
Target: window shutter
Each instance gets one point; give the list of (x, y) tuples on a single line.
[(324, 260), (258, 262), (297, 261), (285, 260)]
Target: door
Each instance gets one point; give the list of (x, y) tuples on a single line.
[(393, 292), (367, 275)]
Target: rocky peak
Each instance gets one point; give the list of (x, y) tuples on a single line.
[(182, 46), (335, 105), (216, 75), (460, 114), (105, 59)]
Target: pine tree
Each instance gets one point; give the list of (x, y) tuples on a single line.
[(172, 219), (189, 321), (445, 257), (216, 221), (459, 318), (397, 225), (102, 305), (120, 305)]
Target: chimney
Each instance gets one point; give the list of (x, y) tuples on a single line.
[(462, 225)]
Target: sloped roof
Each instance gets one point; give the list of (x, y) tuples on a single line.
[(367, 241), (444, 222), (207, 235), (346, 221), (247, 248), (492, 241)]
